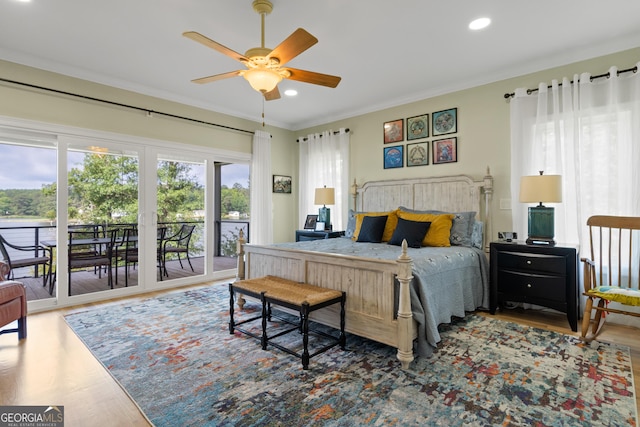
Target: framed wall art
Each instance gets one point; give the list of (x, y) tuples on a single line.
[(445, 151), (393, 157), (445, 122), (393, 131), (418, 154), (417, 127), (281, 184)]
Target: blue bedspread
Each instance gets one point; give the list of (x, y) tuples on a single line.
[(448, 282)]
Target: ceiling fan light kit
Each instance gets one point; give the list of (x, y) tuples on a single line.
[(262, 79), (265, 67)]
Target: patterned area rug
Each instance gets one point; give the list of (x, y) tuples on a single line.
[(174, 355)]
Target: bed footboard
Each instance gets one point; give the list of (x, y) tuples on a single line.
[(369, 284)]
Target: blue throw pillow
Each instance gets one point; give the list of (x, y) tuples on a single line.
[(372, 229), (411, 231)]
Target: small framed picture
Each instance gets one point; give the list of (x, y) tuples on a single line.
[(417, 127), (310, 223), (418, 154), (393, 156), (393, 131), (319, 226), (281, 184), (445, 121), (445, 151)]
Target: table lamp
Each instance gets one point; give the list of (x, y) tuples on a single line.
[(325, 196), (541, 189)]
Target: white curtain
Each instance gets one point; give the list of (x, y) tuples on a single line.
[(588, 132), (261, 229), (324, 160)]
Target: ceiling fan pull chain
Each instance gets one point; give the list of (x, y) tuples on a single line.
[(263, 111)]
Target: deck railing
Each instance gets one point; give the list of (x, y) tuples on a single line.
[(226, 232)]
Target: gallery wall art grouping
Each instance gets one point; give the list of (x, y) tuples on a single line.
[(418, 150)]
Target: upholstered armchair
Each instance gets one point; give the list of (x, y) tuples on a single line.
[(13, 303)]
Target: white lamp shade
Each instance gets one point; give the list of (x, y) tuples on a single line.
[(541, 189), (262, 79), (325, 196)]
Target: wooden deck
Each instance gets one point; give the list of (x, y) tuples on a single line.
[(83, 282)]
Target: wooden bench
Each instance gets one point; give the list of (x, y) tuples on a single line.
[(302, 297)]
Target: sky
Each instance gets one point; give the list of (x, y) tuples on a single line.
[(31, 167)]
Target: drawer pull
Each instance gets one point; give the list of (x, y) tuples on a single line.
[(529, 262), (528, 285)]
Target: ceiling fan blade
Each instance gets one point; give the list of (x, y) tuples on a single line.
[(299, 41), (313, 78), (273, 95), (213, 78), (214, 45)]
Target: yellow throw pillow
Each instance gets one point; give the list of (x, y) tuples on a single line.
[(392, 222), (440, 230)]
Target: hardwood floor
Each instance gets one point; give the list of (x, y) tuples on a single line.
[(53, 367)]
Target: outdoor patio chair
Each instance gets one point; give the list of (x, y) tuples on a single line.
[(178, 244), (39, 256), (87, 251), (162, 232), (129, 252), (87, 231)]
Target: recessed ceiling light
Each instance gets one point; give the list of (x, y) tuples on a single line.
[(480, 23), (291, 92)]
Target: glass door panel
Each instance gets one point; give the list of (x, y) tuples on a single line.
[(28, 211), (180, 216), (232, 212), (102, 213)]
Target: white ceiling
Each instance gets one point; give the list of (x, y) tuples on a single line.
[(387, 52)]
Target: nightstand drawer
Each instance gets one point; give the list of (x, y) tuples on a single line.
[(538, 263), (532, 286)]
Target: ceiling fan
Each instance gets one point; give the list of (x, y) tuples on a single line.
[(265, 67)]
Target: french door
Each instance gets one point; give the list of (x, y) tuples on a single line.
[(74, 178)]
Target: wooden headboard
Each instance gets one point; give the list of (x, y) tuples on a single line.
[(459, 193)]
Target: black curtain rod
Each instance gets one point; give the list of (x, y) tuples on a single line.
[(607, 75), (133, 107), (335, 132)]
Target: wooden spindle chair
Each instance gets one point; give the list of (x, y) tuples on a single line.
[(612, 274)]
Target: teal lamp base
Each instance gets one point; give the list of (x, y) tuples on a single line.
[(541, 226), (324, 215)]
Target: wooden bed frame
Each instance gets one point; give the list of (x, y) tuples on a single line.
[(370, 283)]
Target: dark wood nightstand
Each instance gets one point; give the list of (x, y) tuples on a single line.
[(302, 235), (535, 274)]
